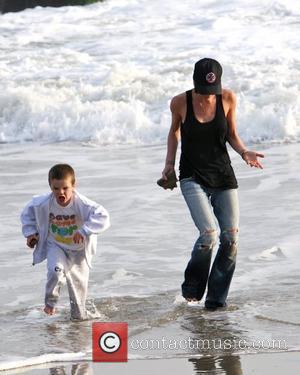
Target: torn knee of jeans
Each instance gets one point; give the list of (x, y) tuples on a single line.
[(230, 236), (208, 239), (232, 249)]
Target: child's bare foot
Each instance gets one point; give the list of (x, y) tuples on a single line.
[(49, 310)]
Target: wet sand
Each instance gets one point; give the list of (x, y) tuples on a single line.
[(258, 364)]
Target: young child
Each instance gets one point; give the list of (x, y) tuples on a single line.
[(62, 226)]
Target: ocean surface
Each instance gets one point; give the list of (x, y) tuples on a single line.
[(106, 72), (91, 86)]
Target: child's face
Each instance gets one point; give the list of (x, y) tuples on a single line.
[(62, 190)]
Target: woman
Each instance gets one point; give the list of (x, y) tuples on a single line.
[(205, 119)]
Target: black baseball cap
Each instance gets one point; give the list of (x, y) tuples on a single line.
[(207, 77)]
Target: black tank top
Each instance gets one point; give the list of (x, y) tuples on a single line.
[(204, 155)]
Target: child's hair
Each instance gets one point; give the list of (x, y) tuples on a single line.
[(60, 172)]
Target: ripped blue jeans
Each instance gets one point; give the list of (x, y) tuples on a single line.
[(208, 205)]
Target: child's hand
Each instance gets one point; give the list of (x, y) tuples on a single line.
[(77, 238), (32, 240)]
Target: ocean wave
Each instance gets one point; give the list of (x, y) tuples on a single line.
[(113, 85)]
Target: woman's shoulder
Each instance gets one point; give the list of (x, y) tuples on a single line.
[(228, 100), (178, 101), (228, 95)]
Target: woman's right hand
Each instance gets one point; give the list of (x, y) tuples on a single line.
[(169, 168), (169, 179)]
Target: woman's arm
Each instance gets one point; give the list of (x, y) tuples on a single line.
[(250, 157), (173, 137)]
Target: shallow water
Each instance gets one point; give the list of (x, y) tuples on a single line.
[(138, 270), (102, 94)]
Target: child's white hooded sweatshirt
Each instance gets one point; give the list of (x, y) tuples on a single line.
[(35, 219)]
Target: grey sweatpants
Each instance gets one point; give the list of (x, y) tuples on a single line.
[(69, 265)]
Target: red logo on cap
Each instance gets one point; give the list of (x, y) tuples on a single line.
[(210, 77)]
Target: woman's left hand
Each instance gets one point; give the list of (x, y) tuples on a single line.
[(251, 158)]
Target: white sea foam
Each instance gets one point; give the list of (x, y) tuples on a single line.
[(273, 254), (112, 79), (179, 300), (275, 260), (46, 358), (120, 276)]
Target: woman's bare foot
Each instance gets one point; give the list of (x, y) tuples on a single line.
[(192, 300), (49, 310)]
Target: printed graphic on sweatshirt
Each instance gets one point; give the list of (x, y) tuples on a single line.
[(63, 227)]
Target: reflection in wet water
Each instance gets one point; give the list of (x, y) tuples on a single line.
[(76, 369), (77, 335), (228, 364), (212, 333), (211, 365)]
